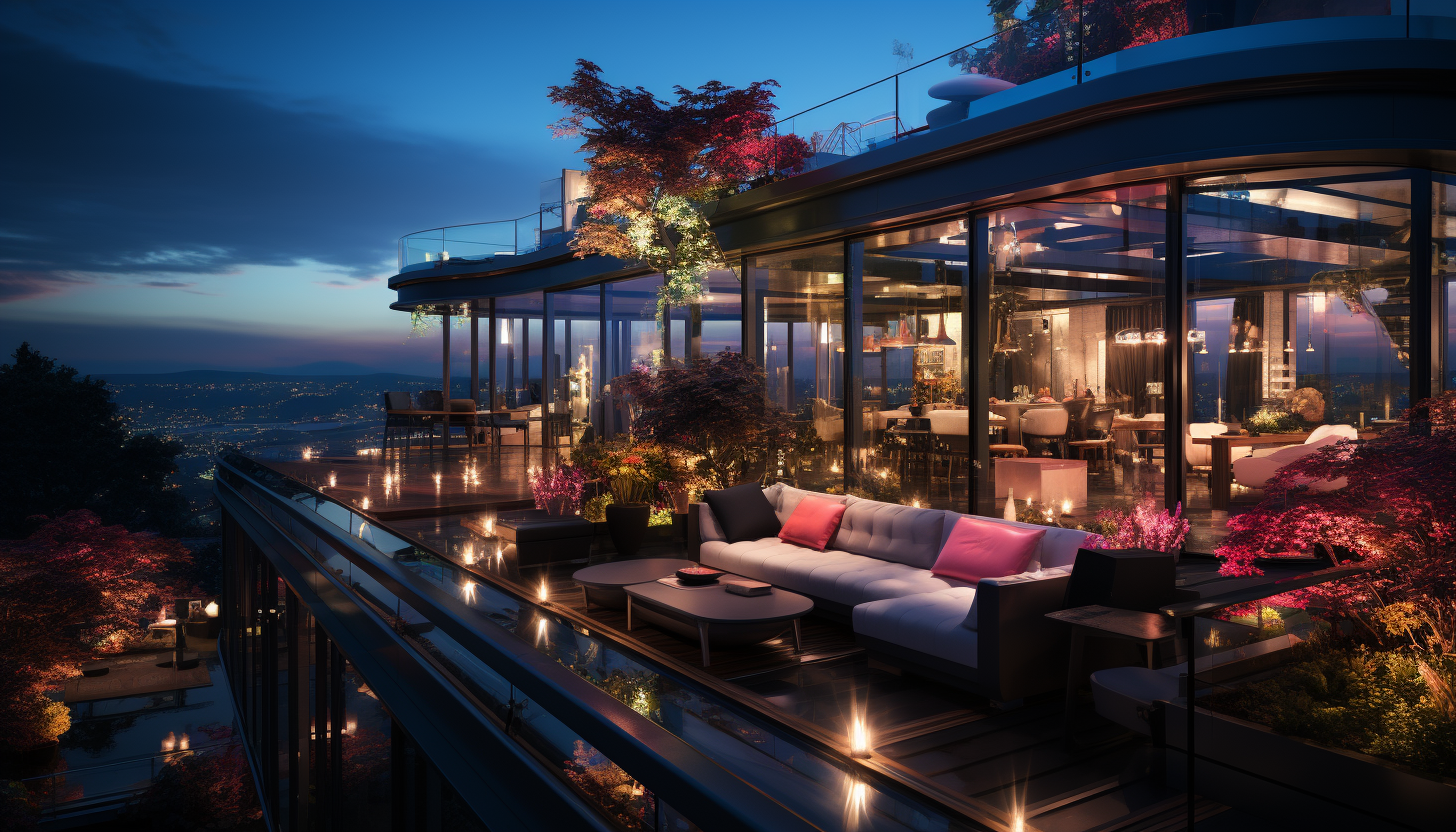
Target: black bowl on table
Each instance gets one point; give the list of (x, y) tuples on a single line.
[(699, 575)]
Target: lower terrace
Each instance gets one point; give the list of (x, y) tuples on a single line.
[(956, 751)]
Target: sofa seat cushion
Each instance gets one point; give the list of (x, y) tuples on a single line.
[(927, 623), (902, 534), (841, 577)]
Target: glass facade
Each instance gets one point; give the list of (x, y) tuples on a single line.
[(1299, 307), (1296, 303), (913, 438), (704, 329), (1076, 339), (576, 349), (799, 298), (518, 350)]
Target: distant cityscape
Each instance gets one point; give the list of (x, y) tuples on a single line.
[(264, 415)]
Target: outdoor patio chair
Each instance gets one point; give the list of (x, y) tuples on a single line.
[(394, 420)]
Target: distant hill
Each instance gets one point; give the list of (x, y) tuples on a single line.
[(235, 377)]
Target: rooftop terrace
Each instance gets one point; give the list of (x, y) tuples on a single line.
[(949, 754)]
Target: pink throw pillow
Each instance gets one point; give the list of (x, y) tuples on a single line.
[(813, 523), (979, 549)]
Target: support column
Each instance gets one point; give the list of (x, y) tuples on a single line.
[(978, 332), (298, 719), (1425, 295), (548, 368), (445, 359), (752, 311), (491, 399), (1175, 350), (474, 357), (854, 438)]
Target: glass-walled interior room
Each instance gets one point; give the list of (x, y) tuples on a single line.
[(577, 352), (1300, 323), (714, 324), (1076, 342), (799, 298), (914, 435)]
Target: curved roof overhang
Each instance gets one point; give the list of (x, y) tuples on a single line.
[(1354, 91), (1335, 98)]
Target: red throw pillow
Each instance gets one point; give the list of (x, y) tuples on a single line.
[(813, 523), (979, 549)]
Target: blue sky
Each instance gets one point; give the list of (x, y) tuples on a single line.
[(220, 185)]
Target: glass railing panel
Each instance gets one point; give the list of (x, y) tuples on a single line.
[(790, 771)]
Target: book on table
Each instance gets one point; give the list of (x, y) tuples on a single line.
[(746, 586)]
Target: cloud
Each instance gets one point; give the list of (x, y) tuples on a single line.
[(107, 172), (167, 284)]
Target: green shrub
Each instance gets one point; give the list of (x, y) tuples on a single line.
[(1355, 698), (1273, 421)]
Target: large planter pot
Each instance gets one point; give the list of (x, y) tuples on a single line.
[(627, 525)]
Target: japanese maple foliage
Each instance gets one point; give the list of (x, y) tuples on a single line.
[(72, 590), (653, 163), (1396, 512)]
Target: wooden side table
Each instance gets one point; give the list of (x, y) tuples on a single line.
[(1098, 621)]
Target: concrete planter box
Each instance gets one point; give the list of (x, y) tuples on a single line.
[(1310, 786)]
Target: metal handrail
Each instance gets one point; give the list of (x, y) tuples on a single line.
[(1263, 589), (712, 796)]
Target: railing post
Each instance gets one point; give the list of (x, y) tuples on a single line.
[(1081, 36), (897, 105)]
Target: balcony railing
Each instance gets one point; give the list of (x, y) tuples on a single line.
[(484, 240), (707, 760), (1061, 42)]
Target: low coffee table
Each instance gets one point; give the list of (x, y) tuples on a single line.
[(733, 619), (602, 584)]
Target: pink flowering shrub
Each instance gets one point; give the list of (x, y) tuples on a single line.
[(1145, 526), (559, 490)]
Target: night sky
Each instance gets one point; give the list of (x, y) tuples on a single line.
[(221, 185)]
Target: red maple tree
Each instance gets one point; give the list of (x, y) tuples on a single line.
[(1396, 514), (653, 163), (71, 591)]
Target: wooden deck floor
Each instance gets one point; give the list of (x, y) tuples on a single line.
[(954, 744)]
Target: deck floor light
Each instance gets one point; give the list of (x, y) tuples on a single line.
[(859, 739)]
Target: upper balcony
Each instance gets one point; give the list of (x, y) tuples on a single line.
[(552, 223), (1074, 42)]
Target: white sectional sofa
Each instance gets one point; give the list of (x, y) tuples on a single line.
[(992, 637)]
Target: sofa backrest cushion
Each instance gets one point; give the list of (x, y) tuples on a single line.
[(977, 548), (901, 534), (785, 498), (743, 512), (813, 523), (1058, 547)]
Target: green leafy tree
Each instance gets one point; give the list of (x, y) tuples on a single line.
[(65, 446)]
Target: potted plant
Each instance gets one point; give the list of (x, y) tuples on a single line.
[(631, 485), (559, 491)]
